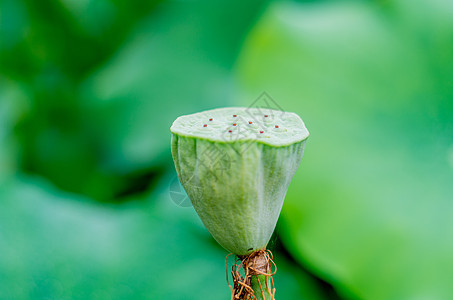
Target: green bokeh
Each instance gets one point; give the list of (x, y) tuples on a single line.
[(89, 89), (370, 209)]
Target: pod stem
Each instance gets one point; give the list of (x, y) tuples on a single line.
[(261, 285), (252, 276)]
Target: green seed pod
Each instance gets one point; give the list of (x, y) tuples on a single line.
[(236, 165)]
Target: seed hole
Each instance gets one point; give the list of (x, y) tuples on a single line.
[(276, 126), (250, 122), (266, 116), (234, 116), (205, 125), (234, 124), (230, 131), (210, 119), (261, 131)]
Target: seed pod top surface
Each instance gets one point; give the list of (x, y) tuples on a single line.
[(271, 127)]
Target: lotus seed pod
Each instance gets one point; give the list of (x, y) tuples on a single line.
[(236, 165)]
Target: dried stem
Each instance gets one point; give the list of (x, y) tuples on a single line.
[(252, 276)]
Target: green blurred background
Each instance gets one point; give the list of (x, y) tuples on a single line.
[(89, 89)]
